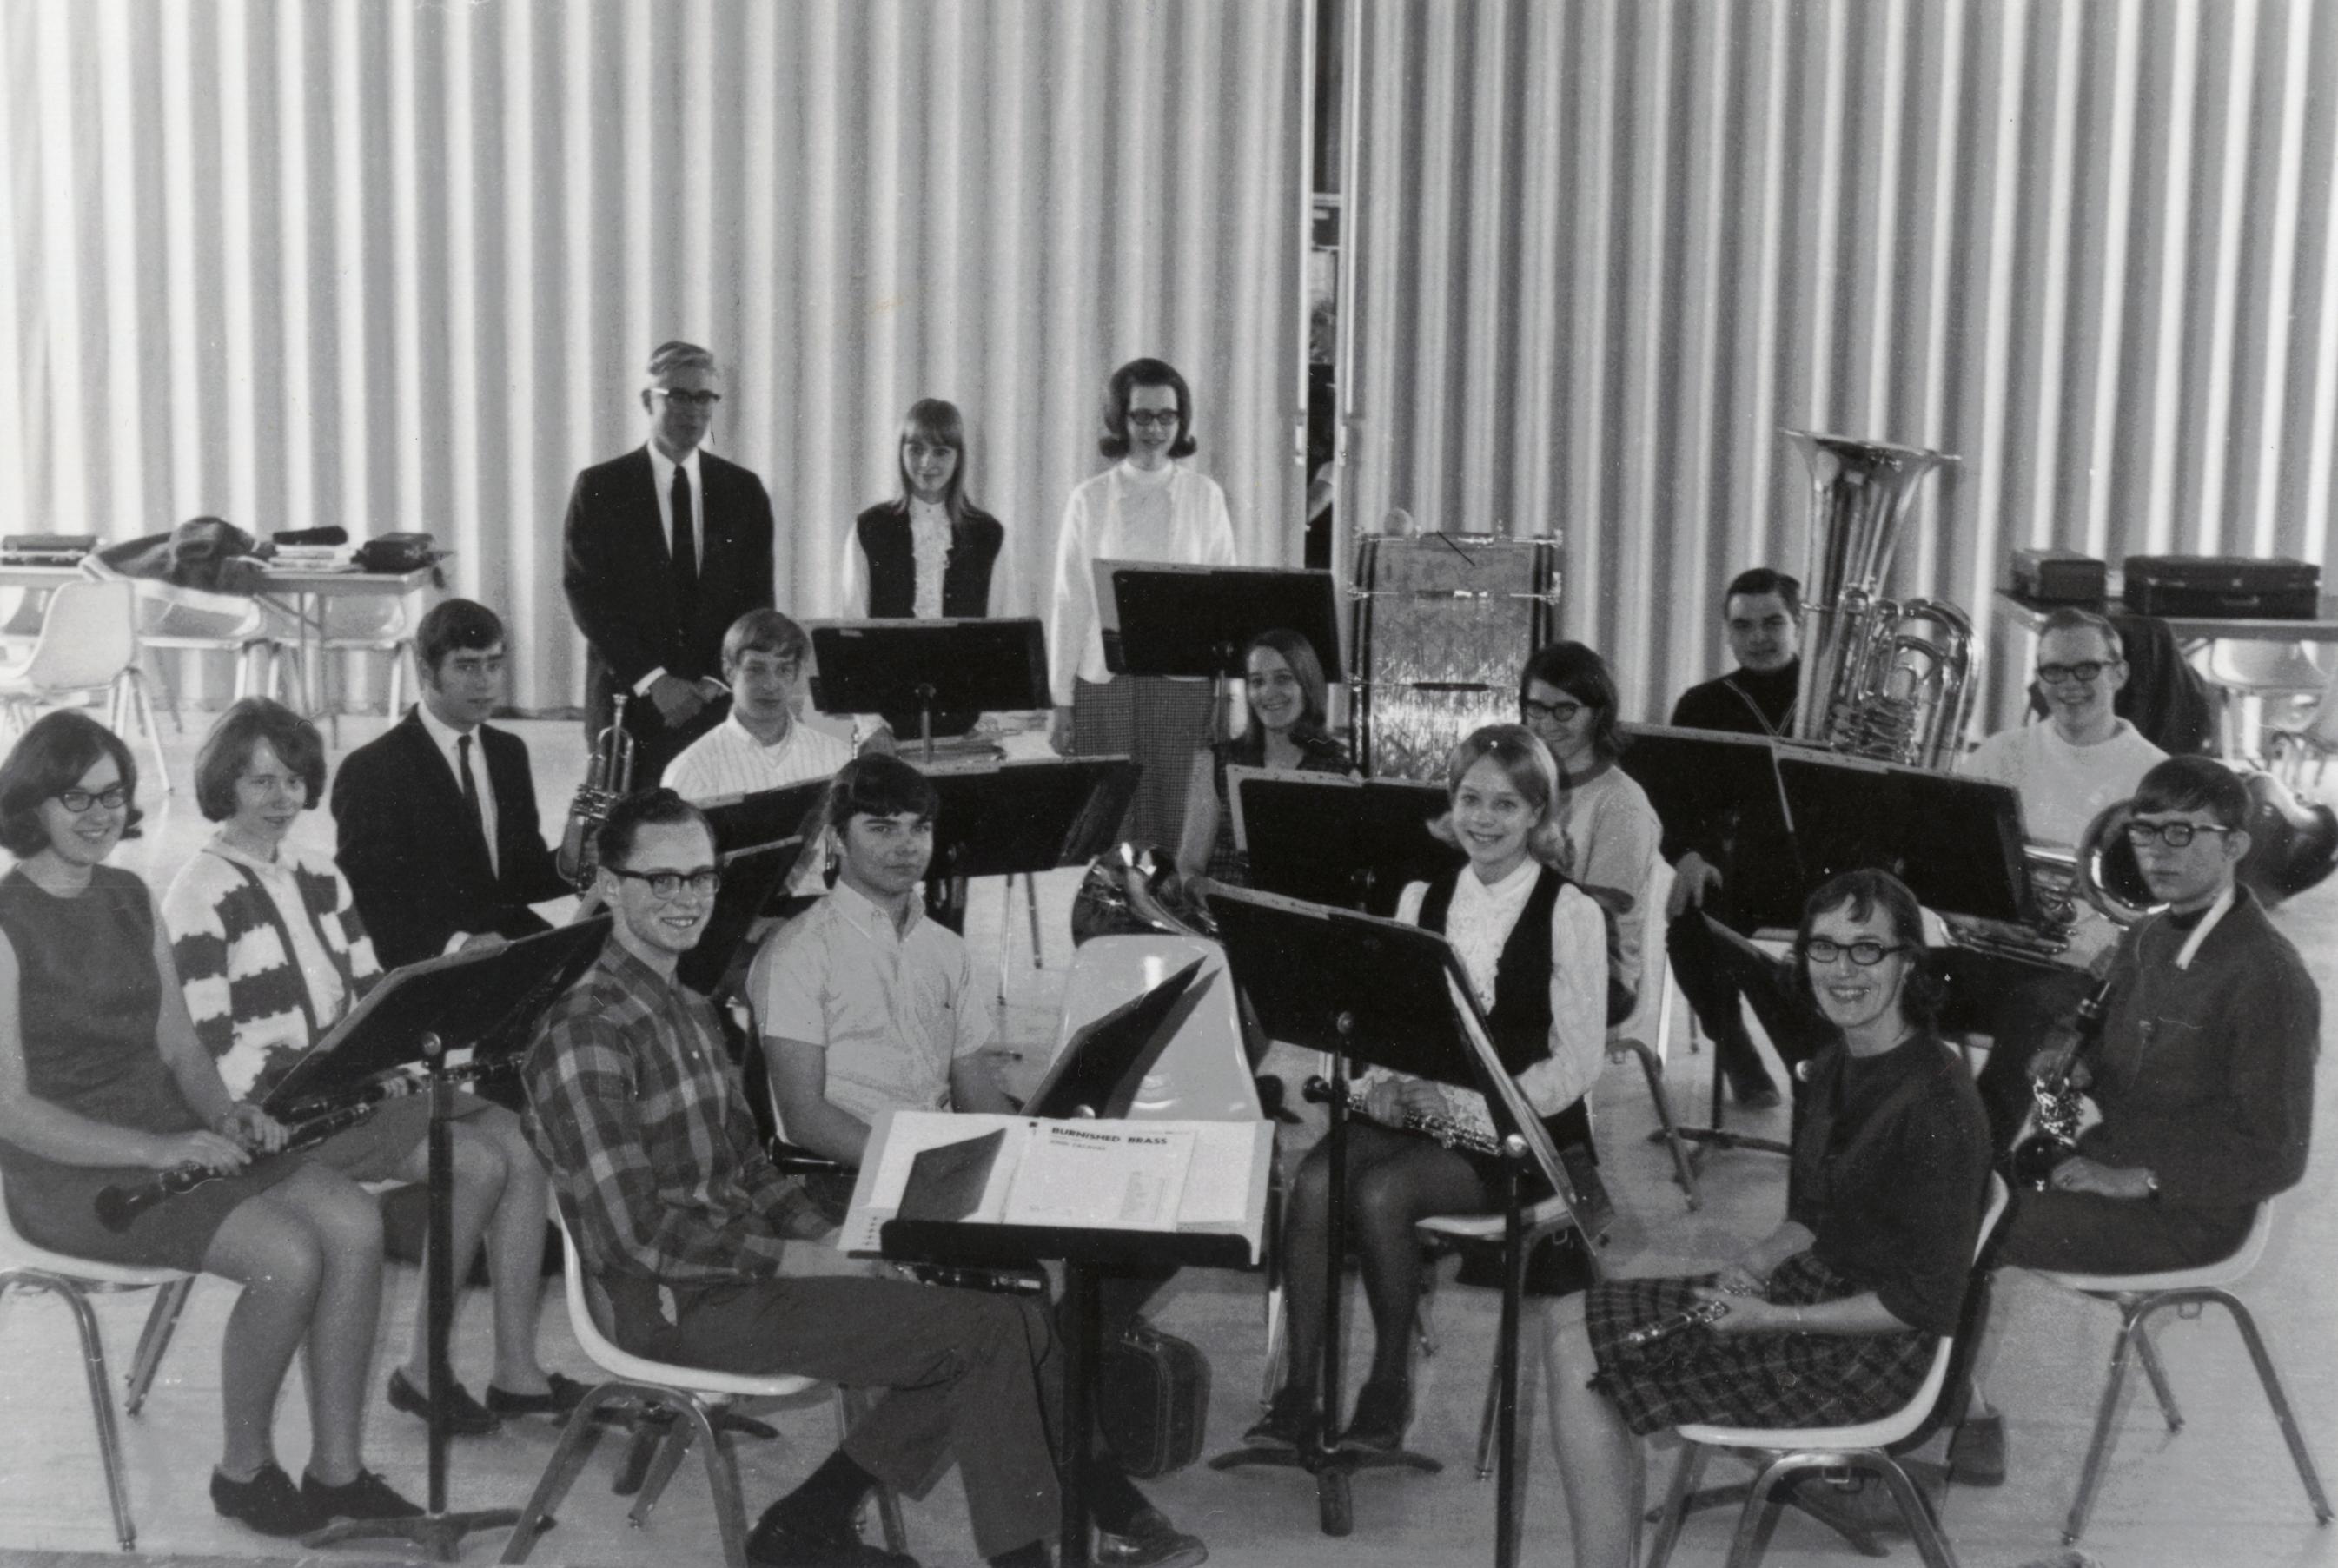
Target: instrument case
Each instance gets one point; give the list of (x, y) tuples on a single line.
[(2059, 577), (1153, 1400), (2242, 587)]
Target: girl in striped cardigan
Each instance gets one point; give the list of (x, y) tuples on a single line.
[(271, 955)]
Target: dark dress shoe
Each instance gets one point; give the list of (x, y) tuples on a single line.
[(367, 1496), (1383, 1410), (781, 1540), (1977, 1452), (1149, 1542), (560, 1399), (466, 1416), (268, 1503)]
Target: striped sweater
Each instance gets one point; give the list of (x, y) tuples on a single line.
[(252, 1008)]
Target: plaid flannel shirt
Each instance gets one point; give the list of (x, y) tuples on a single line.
[(635, 1106)]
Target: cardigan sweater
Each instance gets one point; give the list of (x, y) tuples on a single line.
[(252, 1008)]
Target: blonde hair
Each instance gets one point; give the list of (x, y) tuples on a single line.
[(1526, 762)]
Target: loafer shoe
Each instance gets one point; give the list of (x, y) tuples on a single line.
[(1977, 1452), (560, 1399), (1150, 1542), (1383, 1410), (781, 1541), (366, 1496), (268, 1503), (1289, 1421), (466, 1416)]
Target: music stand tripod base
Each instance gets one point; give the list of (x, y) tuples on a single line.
[(1334, 1505)]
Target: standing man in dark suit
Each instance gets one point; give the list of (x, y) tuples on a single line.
[(436, 817), (663, 548)]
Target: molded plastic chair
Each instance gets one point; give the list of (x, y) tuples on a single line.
[(32, 1270), (1786, 1451), (174, 620), (1645, 1034), (359, 626), (2137, 1297), (692, 1397), (2244, 671), (88, 643), (2286, 750)]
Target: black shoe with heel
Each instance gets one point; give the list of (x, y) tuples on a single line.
[(1383, 1410)]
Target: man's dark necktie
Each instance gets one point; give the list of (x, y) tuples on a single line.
[(470, 790), (686, 543)]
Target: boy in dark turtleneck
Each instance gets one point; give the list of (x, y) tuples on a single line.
[(1711, 854)]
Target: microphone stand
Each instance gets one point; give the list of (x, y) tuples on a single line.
[(436, 1531)]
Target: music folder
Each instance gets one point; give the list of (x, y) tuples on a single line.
[(482, 1000), (1101, 1068), (1330, 838), (1159, 618)]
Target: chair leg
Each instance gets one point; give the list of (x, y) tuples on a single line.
[(1005, 932), (560, 1470), (670, 1454), (1675, 1509), (2148, 1354), (2283, 1416), (1653, 1069), (154, 1338), (134, 681), (1745, 1545), (1031, 903), (170, 693), (100, 1397), (2090, 1474), (1276, 1323), (1932, 1545), (723, 1482)]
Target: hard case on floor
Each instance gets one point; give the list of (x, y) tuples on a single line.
[(1153, 1400)]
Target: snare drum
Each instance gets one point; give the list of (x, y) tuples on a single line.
[(1441, 624)]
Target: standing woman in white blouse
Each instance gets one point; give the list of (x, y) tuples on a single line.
[(1535, 949), (1147, 507)]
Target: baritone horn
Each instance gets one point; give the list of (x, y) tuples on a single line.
[(1880, 678), (608, 778)]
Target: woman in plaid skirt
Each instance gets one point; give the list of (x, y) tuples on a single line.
[(1832, 1317)]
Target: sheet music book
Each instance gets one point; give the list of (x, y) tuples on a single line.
[(1208, 1177)]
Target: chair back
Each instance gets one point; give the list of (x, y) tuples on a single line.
[(166, 610), (87, 639), (2264, 666), (1204, 1073)]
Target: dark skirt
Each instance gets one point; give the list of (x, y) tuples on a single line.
[(56, 1206), (1159, 721), (1759, 1380)]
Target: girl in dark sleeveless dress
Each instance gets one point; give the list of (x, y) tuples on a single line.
[(103, 1082), (1284, 686), (1535, 949)]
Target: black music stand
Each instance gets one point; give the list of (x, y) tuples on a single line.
[(1326, 839), (752, 880), (1098, 1071), (487, 1000), (1391, 996), (1158, 618), (1956, 842), (945, 673), (1686, 773), (1016, 818)]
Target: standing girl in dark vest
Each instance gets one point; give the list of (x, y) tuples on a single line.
[(1535, 949)]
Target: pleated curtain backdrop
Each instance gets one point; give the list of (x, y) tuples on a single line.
[(398, 263), (1606, 248)]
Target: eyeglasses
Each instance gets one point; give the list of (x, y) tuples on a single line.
[(1866, 952), (686, 397), (1165, 419), (2084, 674), (665, 885), (2175, 835), (114, 797), (1550, 712)]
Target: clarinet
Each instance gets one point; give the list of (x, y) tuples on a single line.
[(2059, 1101), (1678, 1322), (120, 1204), (393, 1085), (1451, 1133)]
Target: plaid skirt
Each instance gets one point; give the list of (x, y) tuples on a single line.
[(1760, 1380), (1161, 722)]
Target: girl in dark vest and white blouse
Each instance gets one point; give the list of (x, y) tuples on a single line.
[(1534, 946)]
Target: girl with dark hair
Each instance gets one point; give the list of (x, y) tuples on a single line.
[(1535, 949), (1607, 831), (104, 1083), (271, 954), (1830, 1319), (1145, 507), (1284, 686), (928, 553)]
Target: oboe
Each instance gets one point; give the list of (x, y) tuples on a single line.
[(2059, 1102), (118, 1205), (1450, 1131)]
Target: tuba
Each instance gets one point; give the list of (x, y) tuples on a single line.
[(608, 780), (1880, 678)]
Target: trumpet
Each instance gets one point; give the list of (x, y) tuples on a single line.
[(123, 1202), (608, 780), (1449, 1131)]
